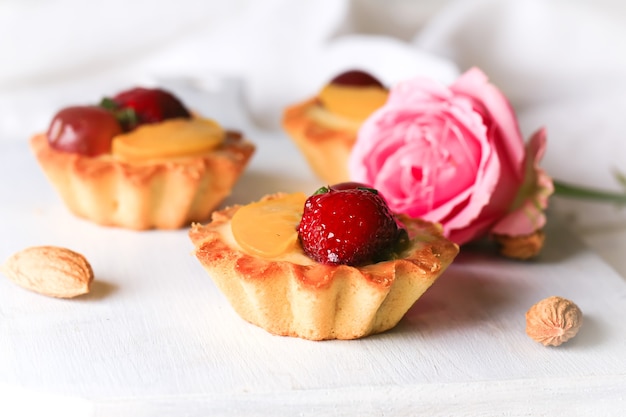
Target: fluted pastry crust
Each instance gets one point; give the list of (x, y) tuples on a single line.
[(316, 301), (325, 147), (166, 194)]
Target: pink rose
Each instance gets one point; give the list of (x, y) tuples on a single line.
[(454, 155)]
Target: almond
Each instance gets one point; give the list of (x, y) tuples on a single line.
[(50, 270)]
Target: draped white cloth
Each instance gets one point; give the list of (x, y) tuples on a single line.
[(562, 63)]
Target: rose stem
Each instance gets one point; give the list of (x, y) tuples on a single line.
[(573, 191)]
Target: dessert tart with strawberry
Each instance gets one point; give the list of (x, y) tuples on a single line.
[(324, 127), (335, 265), (140, 160)]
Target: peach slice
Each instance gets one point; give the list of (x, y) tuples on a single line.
[(268, 228), (168, 139), (353, 102)]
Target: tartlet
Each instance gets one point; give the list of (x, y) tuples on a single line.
[(144, 178), (162, 194), (294, 295), (324, 127)]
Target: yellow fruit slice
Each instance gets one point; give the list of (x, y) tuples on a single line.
[(168, 139), (353, 102), (268, 228)]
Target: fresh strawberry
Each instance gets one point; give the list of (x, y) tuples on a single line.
[(348, 224), (139, 106), (349, 185), (356, 78)]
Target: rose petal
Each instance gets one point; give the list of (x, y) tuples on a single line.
[(474, 83), (527, 213)]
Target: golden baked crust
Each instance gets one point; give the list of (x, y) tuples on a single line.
[(315, 301), (325, 147), (166, 194)]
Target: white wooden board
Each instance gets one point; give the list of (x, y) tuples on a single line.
[(156, 338)]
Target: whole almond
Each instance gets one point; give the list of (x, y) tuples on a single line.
[(50, 270)]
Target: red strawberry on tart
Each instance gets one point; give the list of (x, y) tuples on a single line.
[(335, 265), (140, 160), (147, 105)]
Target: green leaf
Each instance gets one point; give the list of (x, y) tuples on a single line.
[(321, 190), (127, 117), (108, 104), (371, 190)]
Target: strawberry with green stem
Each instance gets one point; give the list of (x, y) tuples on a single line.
[(349, 224), (140, 106)]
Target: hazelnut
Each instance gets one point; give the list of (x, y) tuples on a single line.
[(553, 321), (521, 247)]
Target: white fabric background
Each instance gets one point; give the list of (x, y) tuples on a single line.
[(562, 63)]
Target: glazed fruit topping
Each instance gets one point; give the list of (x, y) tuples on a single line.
[(356, 78), (349, 185), (268, 228), (140, 106), (91, 130), (349, 224), (353, 94), (169, 139), (86, 130)]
